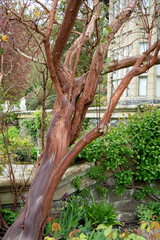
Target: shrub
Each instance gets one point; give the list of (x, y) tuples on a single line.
[(9, 216), (93, 151), (20, 147), (33, 124), (147, 212), (134, 148), (12, 132), (103, 232), (23, 149), (101, 212)]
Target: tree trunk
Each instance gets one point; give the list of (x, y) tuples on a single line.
[(41, 192)]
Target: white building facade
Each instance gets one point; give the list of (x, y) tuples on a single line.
[(132, 40)]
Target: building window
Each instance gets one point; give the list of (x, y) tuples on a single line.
[(128, 91), (158, 87), (120, 5), (114, 75), (125, 3), (124, 71), (143, 47), (118, 73), (129, 69), (158, 82), (158, 70), (142, 90), (129, 49), (114, 9), (124, 94), (118, 82), (124, 52)]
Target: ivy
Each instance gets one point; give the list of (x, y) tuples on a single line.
[(76, 182), (133, 147), (93, 151)]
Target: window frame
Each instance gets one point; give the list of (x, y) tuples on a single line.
[(158, 79), (114, 9), (146, 88)]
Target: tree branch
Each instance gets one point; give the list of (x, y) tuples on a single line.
[(72, 52), (65, 29), (124, 63), (48, 53), (42, 5), (76, 63), (29, 57), (1, 72)]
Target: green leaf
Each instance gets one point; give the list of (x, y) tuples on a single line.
[(143, 226), (101, 226), (108, 231), (114, 235), (83, 236), (1, 51), (108, 29), (135, 236)]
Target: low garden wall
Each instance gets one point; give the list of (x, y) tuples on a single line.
[(125, 204), (7, 196)]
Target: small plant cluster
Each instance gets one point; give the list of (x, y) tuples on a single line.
[(20, 147), (96, 172), (101, 232), (9, 216), (76, 182), (152, 229), (145, 212), (33, 124), (80, 216), (95, 221)]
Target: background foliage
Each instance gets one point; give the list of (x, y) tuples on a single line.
[(132, 149)]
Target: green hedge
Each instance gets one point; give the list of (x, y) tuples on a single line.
[(133, 149)]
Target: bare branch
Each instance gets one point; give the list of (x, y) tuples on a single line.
[(48, 52), (66, 28), (72, 52), (29, 57), (76, 63), (1, 73), (1, 76), (42, 5), (124, 63)]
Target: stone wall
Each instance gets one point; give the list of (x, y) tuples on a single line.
[(125, 204), (7, 197)]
